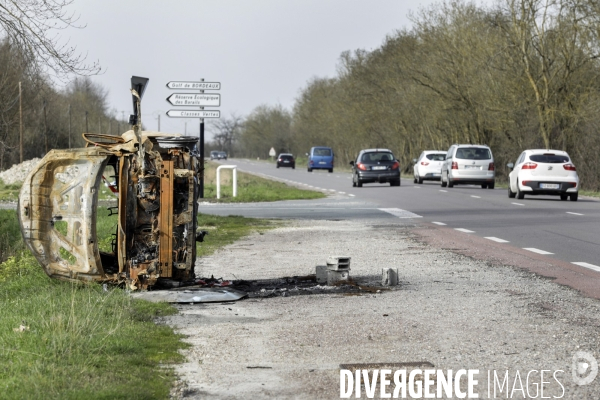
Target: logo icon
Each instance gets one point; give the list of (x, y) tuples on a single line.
[(550, 168), (584, 368)]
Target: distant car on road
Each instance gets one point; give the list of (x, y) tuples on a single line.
[(546, 172), (286, 160), (320, 158), (469, 164), (218, 155), (375, 165), (428, 167)]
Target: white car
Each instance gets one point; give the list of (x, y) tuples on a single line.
[(548, 172), (469, 164), (428, 167)]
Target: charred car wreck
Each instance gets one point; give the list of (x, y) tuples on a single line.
[(156, 176)]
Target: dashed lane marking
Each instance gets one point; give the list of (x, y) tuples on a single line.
[(534, 250), (495, 239), (464, 230), (476, 197), (518, 204), (351, 195), (438, 223), (397, 212), (342, 192), (573, 213), (588, 265), (445, 191)]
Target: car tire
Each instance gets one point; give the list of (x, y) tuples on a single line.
[(415, 181), (574, 196), (309, 169), (420, 181), (442, 182), (358, 183), (520, 195), (564, 197), (330, 170), (395, 183), (511, 194), (293, 167), (484, 185), (278, 166), (450, 183), (491, 185)]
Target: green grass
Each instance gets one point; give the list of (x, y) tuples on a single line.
[(78, 341), (251, 188), (9, 192), (226, 230)]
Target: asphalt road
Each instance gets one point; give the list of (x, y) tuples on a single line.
[(565, 230)]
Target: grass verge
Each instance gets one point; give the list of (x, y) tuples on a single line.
[(226, 230), (61, 340), (251, 188), (9, 192)]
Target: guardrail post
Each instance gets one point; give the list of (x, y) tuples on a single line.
[(234, 168)]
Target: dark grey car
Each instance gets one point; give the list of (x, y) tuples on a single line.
[(375, 166)]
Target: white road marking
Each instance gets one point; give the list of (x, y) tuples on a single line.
[(518, 204), (438, 223), (331, 190), (572, 213), (464, 230), (417, 187), (397, 212), (445, 191), (477, 197), (495, 239), (587, 265), (342, 192), (351, 195), (534, 250)]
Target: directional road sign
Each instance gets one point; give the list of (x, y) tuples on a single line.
[(194, 85), (193, 99), (194, 114)]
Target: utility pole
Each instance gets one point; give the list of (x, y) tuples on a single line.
[(86, 124), (45, 128), (20, 125), (158, 123), (201, 191), (69, 125), (185, 129)]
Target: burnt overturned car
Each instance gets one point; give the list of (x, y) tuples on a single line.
[(157, 179)]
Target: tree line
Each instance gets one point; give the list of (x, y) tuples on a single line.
[(514, 75)]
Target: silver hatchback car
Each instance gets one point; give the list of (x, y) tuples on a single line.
[(469, 164)]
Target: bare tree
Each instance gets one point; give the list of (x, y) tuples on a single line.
[(227, 131), (33, 26)]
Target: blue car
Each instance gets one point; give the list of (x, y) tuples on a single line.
[(320, 158)]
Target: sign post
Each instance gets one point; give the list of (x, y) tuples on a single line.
[(199, 100)]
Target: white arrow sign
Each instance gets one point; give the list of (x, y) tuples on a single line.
[(193, 114), (194, 85), (192, 99)]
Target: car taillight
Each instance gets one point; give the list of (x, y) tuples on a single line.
[(529, 165), (311, 162), (491, 167), (424, 163), (361, 166), (279, 160), (395, 165), (569, 167), (454, 165)]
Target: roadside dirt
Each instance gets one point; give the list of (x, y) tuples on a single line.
[(450, 310)]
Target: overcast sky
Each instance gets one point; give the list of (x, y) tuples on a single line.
[(262, 51)]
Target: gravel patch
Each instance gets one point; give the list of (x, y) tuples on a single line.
[(18, 172), (449, 310)]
